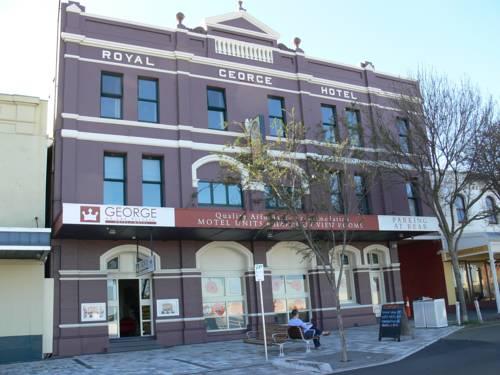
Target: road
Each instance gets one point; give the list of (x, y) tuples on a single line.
[(474, 350)]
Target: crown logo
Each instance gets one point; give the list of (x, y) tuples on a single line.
[(89, 214)]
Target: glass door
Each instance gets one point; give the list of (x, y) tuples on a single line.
[(145, 298), (113, 309)]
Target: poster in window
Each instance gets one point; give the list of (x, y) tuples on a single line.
[(213, 286), (297, 304), (93, 312), (295, 284), (278, 285), (167, 307)]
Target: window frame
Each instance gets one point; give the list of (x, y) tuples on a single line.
[(413, 198), (365, 200), (226, 186), (338, 194), (406, 137), (161, 183), (217, 109), (357, 127), (460, 198), (114, 96), (491, 206), (348, 274), (271, 118), (268, 197), (124, 181), (332, 127), (156, 101), (286, 296)]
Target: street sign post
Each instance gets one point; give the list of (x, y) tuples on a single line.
[(259, 277)]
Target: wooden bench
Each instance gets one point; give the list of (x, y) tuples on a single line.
[(279, 335)]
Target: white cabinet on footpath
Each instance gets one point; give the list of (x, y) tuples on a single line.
[(430, 313)]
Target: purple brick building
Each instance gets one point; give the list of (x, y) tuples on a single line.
[(147, 243)]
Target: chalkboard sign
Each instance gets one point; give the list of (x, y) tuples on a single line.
[(390, 321)]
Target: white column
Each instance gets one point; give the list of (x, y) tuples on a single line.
[(493, 271)]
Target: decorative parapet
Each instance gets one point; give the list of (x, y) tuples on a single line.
[(243, 50)]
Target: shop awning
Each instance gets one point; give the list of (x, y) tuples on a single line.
[(24, 243)]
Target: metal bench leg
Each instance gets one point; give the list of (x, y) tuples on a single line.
[(282, 352), (308, 347)]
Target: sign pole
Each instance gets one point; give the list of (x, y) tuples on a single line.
[(259, 277)]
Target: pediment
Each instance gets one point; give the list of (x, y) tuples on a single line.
[(243, 22)]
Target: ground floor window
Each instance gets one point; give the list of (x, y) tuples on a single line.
[(223, 303), (290, 292), (477, 280)]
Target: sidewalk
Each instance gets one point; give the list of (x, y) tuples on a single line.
[(236, 357)]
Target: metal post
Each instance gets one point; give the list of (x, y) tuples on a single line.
[(457, 308), (493, 270), (263, 318), (478, 311)]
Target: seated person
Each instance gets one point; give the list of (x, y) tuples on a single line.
[(309, 329)]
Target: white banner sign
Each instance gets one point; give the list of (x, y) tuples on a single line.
[(259, 272), (98, 214), (407, 223)]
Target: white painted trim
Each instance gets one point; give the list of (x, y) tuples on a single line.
[(176, 270), (169, 29), (233, 29), (213, 158), (81, 272), (246, 16), (175, 320), (230, 245), (24, 248), (100, 43), (178, 277), (23, 229), (140, 124), (83, 325)]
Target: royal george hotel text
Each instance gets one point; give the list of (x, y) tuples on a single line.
[(147, 239)]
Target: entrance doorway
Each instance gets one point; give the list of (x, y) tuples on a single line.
[(129, 307)]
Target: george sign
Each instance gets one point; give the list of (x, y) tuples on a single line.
[(408, 223), (93, 312), (146, 265), (239, 75), (390, 321), (259, 272), (99, 214), (167, 307)]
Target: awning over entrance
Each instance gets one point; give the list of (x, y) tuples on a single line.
[(24, 243), (88, 221)]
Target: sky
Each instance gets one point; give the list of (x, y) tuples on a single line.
[(456, 37)]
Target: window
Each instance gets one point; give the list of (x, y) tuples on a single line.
[(361, 195), (354, 128), (277, 119), (290, 292), (274, 202), (404, 141), (346, 282), (329, 123), (373, 259), (336, 193), (216, 101), (491, 207), (113, 264), (147, 103), (114, 179), (460, 208), (223, 306), (111, 95), (411, 194), (152, 181), (219, 194)]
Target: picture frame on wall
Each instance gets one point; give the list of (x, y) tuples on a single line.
[(167, 307), (93, 312)]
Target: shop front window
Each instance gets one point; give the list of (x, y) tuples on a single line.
[(289, 293), (223, 303)]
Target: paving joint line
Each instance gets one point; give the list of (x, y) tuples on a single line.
[(81, 363), (193, 363)]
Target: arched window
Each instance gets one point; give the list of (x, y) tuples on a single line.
[(223, 265), (289, 280), (460, 209), (491, 207), (376, 259), (346, 290)]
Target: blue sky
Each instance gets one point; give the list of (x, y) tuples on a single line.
[(457, 37)]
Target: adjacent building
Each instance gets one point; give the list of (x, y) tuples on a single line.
[(147, 240), (26, 313)]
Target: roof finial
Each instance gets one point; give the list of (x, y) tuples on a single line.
[(180, 17), (240, 8)]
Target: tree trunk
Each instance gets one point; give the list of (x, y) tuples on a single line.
[(458, 277), (340, 321)]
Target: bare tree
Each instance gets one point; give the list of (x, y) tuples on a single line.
[(429, 145), (309, 189), (487, 150)]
